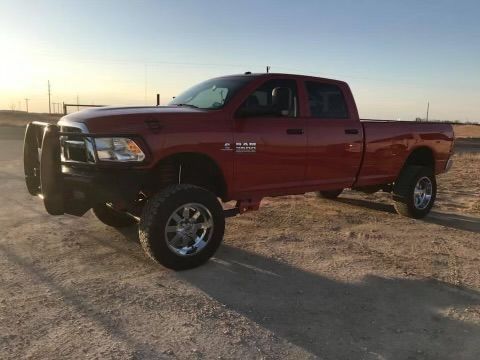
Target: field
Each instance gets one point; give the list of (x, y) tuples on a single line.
[(21, 118), (467, 131), (300, 278)]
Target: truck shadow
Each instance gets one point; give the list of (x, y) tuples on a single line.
[(455, 221), (375, 318), (83, 304)]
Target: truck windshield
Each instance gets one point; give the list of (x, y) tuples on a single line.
[(211, 94)]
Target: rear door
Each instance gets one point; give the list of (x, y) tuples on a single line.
[(269, 147), (335, 136)]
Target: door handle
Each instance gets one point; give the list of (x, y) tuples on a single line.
[(295, 131), (351, 131)]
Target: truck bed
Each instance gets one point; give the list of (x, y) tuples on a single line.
[(388, 143)]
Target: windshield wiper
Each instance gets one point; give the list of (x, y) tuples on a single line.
[(189, 105)]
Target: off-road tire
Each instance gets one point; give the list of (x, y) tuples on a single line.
[(403, 191), (329, 194), (112, 217), (158, 210)]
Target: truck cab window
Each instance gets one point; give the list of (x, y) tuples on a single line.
[(273, 98), (326, 101), (211, 94)]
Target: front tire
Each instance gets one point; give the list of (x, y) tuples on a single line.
[(182, 226), (112, 217), (415, 191)]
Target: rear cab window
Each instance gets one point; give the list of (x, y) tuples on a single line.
[(326, 101)]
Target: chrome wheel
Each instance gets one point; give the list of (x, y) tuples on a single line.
[(422, 193), (189, 229)]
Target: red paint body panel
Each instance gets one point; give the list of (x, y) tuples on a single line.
[(279, 160), (324, 157), (389, 143)]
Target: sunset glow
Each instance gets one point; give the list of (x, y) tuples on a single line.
[(125, 52)]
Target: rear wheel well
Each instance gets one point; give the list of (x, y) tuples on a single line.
[(189, 168), (422, 156)]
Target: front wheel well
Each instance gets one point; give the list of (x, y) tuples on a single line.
[(189, 168)]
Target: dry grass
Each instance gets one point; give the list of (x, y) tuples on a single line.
[(467, 131), (460, 188), (467, 156)]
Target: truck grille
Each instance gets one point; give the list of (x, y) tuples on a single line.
[(76, 148)]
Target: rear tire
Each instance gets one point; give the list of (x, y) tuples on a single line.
[(112, 217), (329, 194), (415, 191), (182, 226)]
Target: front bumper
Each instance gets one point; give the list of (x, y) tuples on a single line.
[(84, 188), (72, 187)]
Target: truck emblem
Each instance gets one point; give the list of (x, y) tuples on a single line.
[(246, 147), (226, 147)]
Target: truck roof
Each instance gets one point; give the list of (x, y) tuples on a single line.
[(274, 75)]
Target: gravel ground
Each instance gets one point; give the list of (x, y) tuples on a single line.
[(300, 278)]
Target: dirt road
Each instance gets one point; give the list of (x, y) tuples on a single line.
[(301, 278)]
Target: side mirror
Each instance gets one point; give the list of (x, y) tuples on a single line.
[(282, 100)]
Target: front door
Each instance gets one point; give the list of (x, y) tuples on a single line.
[(270, 139)]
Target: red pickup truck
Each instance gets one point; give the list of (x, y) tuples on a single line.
[(239, 137)]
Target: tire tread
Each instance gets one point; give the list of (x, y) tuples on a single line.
[(402, 191), (148, 229)]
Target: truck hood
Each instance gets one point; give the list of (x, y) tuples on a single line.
[(107, 111), (127, 118)]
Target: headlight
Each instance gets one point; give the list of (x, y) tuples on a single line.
[(118, 149)]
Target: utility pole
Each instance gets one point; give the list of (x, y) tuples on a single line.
[(78, 107), (158, 99), (26, 103), (268, 69), (428, 108), (49, 103)]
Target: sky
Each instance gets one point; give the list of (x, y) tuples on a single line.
[(396, 55)]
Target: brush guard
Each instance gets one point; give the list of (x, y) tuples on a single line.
[(73, 187)]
